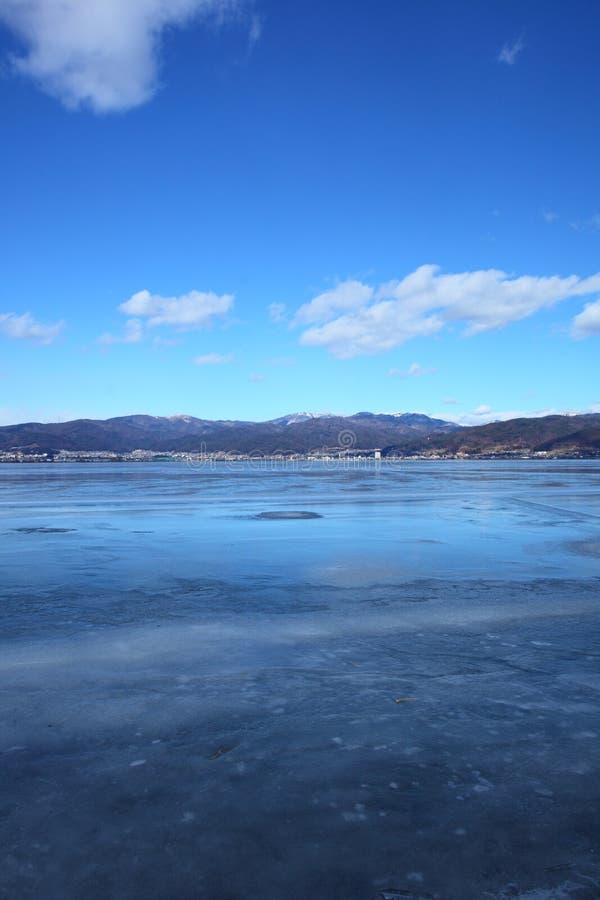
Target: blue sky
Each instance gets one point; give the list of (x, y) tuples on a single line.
[(243, 209)]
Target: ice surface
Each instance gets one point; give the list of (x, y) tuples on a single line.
[(398, 699)]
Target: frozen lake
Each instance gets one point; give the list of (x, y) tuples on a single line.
[(398, 696)]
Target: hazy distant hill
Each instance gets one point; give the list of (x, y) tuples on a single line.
[(300, 432)]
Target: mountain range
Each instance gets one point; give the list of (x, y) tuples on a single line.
[(394, 433), (297, 432)]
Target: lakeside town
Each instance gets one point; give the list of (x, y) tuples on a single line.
[(342, 456)]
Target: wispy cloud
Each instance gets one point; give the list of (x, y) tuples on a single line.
[(510, 51), (592, 223), (11, 416), (8, 416), (277, 312), (159, 342), (284, 361), (549, 215), (133, 333), (481, 415), (588, 321), (359, 319), (254, 376), (213, 359), (26, 328), (255, 31), (450, 401), (348, 295), (413, 371), (484, 414), (102, 54), (189, 311)]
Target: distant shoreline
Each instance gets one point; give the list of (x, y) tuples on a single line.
[(210, 459)]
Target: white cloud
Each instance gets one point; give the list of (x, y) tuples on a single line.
[(345, 296), (421, 304), (550, 216), (413, 371), (276, 312), (590, 224), (509, 52), (133, 333), (8, 416), (255, 31), (256, 378), (159, 342), (450, 401), (285, 361), (484, 414), (101, 53), (588, 321), (13, 416), (193, 310), (26, 328), (213, 359)]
